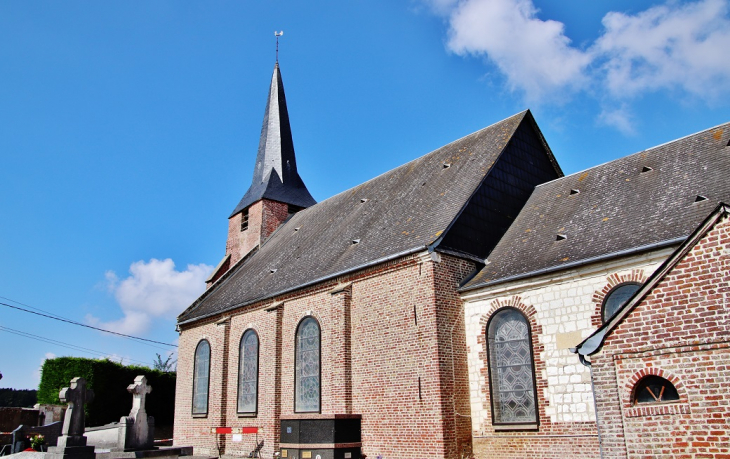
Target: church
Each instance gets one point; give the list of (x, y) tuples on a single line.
[(430, 311)]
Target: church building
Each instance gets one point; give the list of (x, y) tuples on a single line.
[(336, 328), (436, 310), (582, 246)]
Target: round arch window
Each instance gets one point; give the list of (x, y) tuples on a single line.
[(617, 297), (655, 389)]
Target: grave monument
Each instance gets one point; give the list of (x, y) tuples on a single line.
[(72, 442)]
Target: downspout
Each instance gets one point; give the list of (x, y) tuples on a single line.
[(453, 378), (587, 363)]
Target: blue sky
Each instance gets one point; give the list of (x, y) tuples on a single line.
[(128, 130)]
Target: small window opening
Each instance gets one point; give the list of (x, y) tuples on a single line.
[(272, 270), (355, 241), (297, 228), (364, 200), (655, 389), (561, 237), (447, 165), (574, 191), (617, 297), (244, 219), (646, 169), (700, 198), (728, 143)]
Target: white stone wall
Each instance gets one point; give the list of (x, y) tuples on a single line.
[(565, 305)]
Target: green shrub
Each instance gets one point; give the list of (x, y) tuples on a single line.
[(24, 398), (109, 381)]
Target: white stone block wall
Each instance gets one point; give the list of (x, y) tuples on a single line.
[(565, 304)]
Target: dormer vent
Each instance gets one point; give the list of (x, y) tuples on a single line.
[(272, 270), (355, 241), (561, 237), (364, 200), (646, 169), (574, 191), (447, 165), (700, 198), (297, 228)]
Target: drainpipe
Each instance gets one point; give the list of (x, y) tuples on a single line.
[(587, 363)]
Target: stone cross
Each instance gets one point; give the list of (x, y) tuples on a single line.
[(137, 431), (76, 396), (139, 390)]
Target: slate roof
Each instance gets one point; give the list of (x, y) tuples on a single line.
[(399, 212), (593, 343), (619, 207), (275, 174)]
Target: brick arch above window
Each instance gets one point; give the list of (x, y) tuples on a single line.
[(537, 348), (635, 276), (680, 406)]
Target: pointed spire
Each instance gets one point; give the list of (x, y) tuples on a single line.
[(275, 175)]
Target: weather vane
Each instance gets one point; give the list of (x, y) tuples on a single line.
[(277, 35)]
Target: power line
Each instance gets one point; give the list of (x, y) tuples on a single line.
[(63, 344), (73, 322)]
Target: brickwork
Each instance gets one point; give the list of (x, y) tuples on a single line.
[(264, 217), (681, 332), (393, 350), (561, 310)]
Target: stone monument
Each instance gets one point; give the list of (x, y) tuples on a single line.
[(136, 431), (72, 442)]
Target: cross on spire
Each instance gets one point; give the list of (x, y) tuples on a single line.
[(277, 35)]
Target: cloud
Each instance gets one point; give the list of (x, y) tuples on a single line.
[(675, 47), (667, 47), (536, 56), (619, 118), (153, 290)]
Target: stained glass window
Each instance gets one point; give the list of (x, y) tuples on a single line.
[(512, 380), (307, 390), (201, 375), (655, 389), (617, 297), (248, 372)]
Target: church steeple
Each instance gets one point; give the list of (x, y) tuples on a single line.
[(275, 175), (276, 190)]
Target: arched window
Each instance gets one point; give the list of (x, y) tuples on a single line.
[(511, 375), (248, 373), (201, 377), (616, 298), (655, 389), (307, 376)]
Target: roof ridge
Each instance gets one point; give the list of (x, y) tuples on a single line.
[(424, 155), (636, 153)]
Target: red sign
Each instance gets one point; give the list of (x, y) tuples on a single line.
[(234, 430)]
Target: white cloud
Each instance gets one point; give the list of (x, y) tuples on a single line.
[(677, 47), (619, 118), (534, 55), (153, 290), (668, 47)]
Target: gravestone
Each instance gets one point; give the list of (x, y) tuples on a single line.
[(136, 431), (72, 442)]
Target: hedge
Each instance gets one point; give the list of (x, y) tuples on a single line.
[(24, 398), (109, 381)]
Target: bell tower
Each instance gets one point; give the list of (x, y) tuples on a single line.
[(276, 190)]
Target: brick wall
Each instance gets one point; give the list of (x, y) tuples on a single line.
[(680, 331), (393, 351), (264, 217), (561, 309)]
